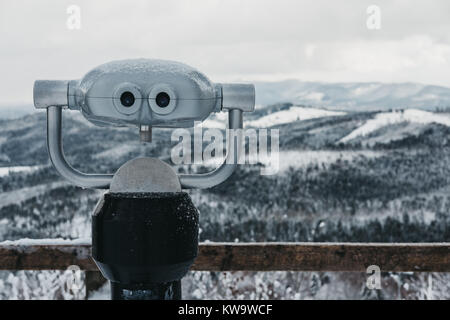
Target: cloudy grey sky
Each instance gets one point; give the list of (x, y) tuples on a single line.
[(229, 40)]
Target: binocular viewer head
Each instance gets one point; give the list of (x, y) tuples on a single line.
[(144, 92)]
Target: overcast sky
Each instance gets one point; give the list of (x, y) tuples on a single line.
[(229, 40)]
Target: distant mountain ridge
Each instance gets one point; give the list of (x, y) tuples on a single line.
[(15, 112), (370, 96)]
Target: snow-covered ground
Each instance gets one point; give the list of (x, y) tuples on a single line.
[(214, 124), (20, 195), (280, 162), (293, 114), (4, 171), (49, 242), (395, 117), (304, 158), (219, 121), (117, 152), (287, 285)]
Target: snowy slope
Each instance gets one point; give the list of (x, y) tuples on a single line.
[(20, 195), (214, 124), (293, 114), (4, 171), (395, 117), (46, 242)]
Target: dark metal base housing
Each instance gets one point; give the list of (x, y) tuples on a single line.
[(144, 243)]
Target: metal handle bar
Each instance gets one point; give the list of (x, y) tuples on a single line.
[(102, 181)]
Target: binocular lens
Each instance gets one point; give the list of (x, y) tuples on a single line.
[(162, 99), (127, 99)]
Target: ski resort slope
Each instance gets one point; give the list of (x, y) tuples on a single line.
[(292, 114), (395, 117)]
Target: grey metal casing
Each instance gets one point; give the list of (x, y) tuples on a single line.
[(193, 97)]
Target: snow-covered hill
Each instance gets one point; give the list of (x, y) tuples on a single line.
[(396, 117), (273, 117), (291, 115)]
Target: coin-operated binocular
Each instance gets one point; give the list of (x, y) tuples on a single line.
[(144, 229)]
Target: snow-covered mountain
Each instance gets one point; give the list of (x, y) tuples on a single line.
[(344, 176), (354, 96)]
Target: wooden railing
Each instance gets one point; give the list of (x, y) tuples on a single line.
[(273, 256), (305, 256)]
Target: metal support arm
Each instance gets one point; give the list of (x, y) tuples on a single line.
[(211, 179), (56, 152), (102, 181)]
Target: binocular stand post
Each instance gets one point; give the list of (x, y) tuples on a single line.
[(153, 291)]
